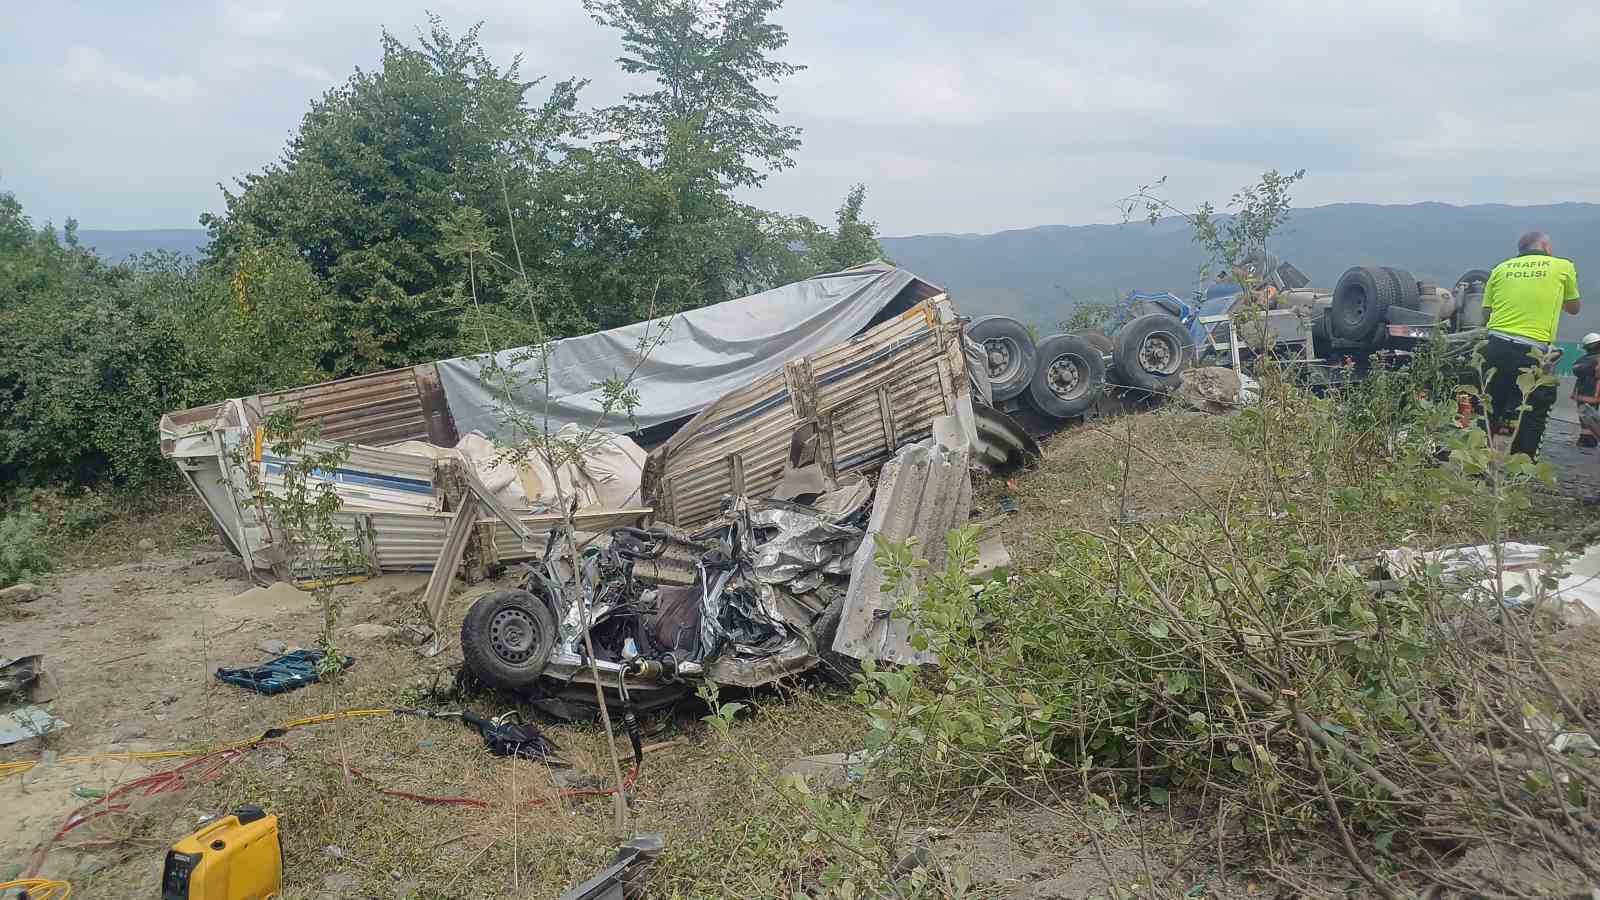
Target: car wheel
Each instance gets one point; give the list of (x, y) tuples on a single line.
[(507, 638)]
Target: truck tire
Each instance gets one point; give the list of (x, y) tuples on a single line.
[(1469, 299), (1361, 299), (1480, 277), (1010, 352), (507, 638), (1410, 291), (1099, 339), (1069, 377), (1152, 352)]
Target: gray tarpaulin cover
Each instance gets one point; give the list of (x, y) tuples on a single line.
[(705, 353)]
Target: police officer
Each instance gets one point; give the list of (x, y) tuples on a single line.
[(1523, 300)]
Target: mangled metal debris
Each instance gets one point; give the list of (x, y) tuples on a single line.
[(777, 585), (1521, 574), (624, 879)]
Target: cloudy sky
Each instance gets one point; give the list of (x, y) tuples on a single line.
[(959, 116)]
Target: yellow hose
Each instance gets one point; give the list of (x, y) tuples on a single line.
[(17, 768), (39, 888)]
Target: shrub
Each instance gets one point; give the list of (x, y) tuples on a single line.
[(23, 554), (1237, 661)]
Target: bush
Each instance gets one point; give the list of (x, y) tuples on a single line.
[(23, 555), (1234, 662)]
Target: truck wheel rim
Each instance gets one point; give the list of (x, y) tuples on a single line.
[(512, 634), (1066, 379), (1159, 354), (1003, 356), (1356, 309)]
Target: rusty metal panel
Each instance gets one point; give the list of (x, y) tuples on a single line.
[(435, 408), (382, 408), (879, 390)]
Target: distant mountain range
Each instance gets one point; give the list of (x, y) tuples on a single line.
[(118, 245), (1037, 274)]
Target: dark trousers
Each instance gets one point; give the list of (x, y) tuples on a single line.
[(1504, 361)]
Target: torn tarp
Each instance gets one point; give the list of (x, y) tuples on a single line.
[(689, 358)]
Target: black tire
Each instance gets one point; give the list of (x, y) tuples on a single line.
[(1480, 277), (1361, 299), (1469, 299), (1410, 291), (1321, 337), (833, 667), (1100, 340), (1152, 352), (506, 639), (1069, 377), (1010, 352)]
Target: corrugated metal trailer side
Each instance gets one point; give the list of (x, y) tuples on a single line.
[(867, 396)]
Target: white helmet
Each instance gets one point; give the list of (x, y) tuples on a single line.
[(1590, 339)]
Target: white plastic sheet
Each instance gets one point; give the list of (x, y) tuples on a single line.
[(693, 358), (1521, 566)]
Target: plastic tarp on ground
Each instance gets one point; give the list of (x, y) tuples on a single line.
[(704, 354)]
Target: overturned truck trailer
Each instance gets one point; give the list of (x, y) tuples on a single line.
[(839, 370)]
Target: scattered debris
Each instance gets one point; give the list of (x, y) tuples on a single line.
[(624, 879), (288, 672), (1008, 506), (20, 593), (18, 676), (371, 631), (829, 770), (1217, 389), (27, 722), (1559, 739), (508, 735), (1523, 571)]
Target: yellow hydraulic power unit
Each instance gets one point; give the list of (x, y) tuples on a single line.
[(237, 857)]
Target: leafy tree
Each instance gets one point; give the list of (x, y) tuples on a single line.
[(643, 221), (35, 262), (708, 118), (853, 241), (377, 165)]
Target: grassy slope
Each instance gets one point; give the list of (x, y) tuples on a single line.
[(730, 830)]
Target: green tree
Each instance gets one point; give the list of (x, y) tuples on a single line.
[(708, 117), (645, 216), (377, 165), (853, 241)]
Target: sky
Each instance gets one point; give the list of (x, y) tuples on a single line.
[(958, 116)]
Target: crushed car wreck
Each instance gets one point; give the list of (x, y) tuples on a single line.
[(774, 580)]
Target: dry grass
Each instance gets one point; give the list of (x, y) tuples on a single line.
[(724, 838), (1078, 483), (729, 832)]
